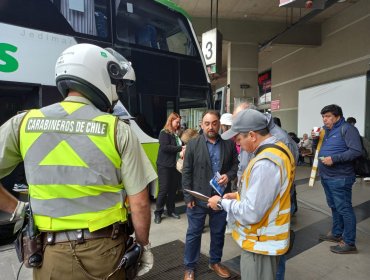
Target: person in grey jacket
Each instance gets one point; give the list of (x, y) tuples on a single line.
[(245, 157), (204, 157)]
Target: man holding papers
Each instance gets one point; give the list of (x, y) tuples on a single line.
[(260, 213), (206, 156)]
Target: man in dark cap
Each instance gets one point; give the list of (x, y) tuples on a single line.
[(260, 213)]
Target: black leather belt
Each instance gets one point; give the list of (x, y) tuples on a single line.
[(81, 235)]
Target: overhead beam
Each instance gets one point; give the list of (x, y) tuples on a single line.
[(294, 33)]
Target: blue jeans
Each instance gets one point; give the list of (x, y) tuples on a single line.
[(217, 225), (281, 268), (339, 198), (293, 199)]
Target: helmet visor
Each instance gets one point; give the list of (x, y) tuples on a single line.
[(117, 71)]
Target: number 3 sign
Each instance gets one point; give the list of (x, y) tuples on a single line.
[(210, 46)]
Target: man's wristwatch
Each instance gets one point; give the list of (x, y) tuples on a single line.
[(219, 204)]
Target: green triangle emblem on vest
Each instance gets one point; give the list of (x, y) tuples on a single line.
[(58, 156)]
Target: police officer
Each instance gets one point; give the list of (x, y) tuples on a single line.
[(83, 166)]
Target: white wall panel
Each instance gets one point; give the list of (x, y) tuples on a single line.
[(350, 94)]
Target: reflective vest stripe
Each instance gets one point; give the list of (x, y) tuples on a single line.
[(271, 247), (56, 207), (59, 191), (286, 211), (83, 189), (271, 233)]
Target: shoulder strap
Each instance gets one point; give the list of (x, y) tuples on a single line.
[(262, 147), (342, 129)]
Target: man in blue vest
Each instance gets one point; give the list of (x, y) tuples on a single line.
[(83, 166)]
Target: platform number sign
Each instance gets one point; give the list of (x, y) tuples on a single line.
[(211, 47), (209, 50)]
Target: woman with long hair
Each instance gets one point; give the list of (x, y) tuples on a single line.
[(168, 176)]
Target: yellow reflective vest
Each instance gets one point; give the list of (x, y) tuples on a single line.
[(72, 167), (270, 236)]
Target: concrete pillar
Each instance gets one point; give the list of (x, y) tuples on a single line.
[(242, 68)]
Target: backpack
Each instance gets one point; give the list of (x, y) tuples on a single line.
[(362, 163)]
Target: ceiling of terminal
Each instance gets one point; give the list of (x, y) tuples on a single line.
[(259, 10)]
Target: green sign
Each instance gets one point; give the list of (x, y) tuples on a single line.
[(7, 62)]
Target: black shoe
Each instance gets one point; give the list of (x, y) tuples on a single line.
[(343, 248), (174, 215), (329, 237), (157, 219)]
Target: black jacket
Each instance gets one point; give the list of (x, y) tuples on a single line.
[(197, 170), (168, 149)]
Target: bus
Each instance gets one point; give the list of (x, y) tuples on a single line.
[(155, 35)]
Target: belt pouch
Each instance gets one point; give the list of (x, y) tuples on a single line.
[(18, 244), (32, 248)]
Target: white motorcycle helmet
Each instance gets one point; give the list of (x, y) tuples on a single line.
[(94, 72)]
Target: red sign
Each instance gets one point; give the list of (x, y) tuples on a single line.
[(275, 105)]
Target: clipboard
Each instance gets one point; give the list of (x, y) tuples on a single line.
[(197, 195)]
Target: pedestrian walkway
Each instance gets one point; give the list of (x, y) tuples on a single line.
[(309, 259)]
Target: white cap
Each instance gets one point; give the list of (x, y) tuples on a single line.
[(245, 121), (226, 119)]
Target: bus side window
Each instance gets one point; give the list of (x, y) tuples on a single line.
[(124, 20), (147, 36), (84, 18), (101, 24)]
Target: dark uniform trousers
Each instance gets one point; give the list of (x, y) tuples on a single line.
[(99, 257)]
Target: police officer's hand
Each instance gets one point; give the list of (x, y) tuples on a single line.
[(19, 211), (147, 261), (19, 215)]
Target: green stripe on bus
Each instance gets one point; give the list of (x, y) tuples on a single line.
[(173, 6)]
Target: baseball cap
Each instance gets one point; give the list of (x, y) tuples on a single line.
[(226, 119), (245, 121)]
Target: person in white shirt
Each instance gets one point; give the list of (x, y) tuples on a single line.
[(305, 146)]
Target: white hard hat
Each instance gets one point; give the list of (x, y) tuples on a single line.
[(94, 72), (226, 119)]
